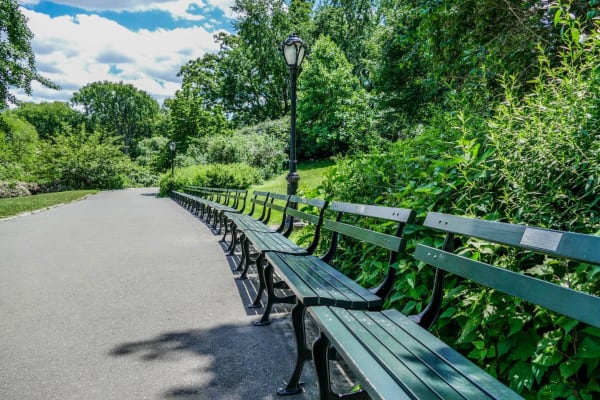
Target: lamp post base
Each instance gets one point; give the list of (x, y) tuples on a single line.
[(292, 178)]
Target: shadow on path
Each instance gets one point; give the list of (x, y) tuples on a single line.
[(231, 362)]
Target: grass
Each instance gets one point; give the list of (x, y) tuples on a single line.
[(311, 176), (17, 205)]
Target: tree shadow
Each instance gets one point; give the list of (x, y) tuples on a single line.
[(150, 194), (234, 361)]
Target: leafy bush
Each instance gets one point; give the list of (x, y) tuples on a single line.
[(535, 161), (262, 151), (81, 161), (234, 176), (18, 147), (154, 153), (333, 112)]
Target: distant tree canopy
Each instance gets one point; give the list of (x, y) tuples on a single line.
[(17, 61), (50, 119), (118, 109), (409, 57)]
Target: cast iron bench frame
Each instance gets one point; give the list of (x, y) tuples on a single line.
[(314, 281), (257, 205), (391, 355)]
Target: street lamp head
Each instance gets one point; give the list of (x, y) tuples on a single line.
[(172, 146), (293, 51)]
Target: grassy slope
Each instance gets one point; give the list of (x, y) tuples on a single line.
[(17, 205), (311, 175)]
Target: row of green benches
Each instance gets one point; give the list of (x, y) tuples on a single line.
[(393, 356)]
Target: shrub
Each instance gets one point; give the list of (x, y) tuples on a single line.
[(534, 161), (82, 161), (234, 176), (264, 152)]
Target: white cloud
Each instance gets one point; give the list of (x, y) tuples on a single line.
[(177, 8), (73, 51)]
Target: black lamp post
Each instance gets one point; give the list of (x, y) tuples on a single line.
[(172, 148), (293, 51)]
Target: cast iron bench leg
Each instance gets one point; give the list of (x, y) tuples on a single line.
[(234, 239), (303, 353), (266, 276), (244, 263), (261, 285), (226, 229), (322, 354)]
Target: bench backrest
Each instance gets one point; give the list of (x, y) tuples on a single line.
[(584, 307), (346, 223), (278, 202), (307, 210), (237, 199), (257, 202)]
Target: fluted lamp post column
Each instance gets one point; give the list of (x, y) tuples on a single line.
[(293, 52), (172, 148)]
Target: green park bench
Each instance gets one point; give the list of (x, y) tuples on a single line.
[(394, 356), (211, 204), (258, 214), (314, 281), (234, 202), (275, 203)]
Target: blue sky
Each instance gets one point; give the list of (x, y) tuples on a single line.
[(142, 42)]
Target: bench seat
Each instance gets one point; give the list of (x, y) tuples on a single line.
[(395, 358), (314, 282)]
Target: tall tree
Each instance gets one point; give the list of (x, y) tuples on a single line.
[(118, 109), (50, 119), (17, 61), (351, 24), (333, 116), (191, 118)]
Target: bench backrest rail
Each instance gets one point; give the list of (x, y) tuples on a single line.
[(295, 211), (278, 202), (584, 307), (395, 243), (239, 199), (259, 199)]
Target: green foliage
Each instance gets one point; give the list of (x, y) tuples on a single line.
[(18, 147), (534, 161), (547, 143), (333, 116), (118, 109), (50, 119), (234, 176), (264, 152), (17, 61), (82, 161), (191, 118), (154, 153)]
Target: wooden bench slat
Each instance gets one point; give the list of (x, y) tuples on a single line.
[(403, 215), (269, 242), (575, 246), (420, 364), (316, 283), (381, 385), (384, 240), (581, 306)]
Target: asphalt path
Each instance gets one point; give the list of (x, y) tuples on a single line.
[(124, 296)]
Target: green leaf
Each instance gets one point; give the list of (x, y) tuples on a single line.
[(521, 376), (589, 347), (448, 313), (570, 368)]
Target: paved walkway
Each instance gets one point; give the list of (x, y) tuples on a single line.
[(127, 296)]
